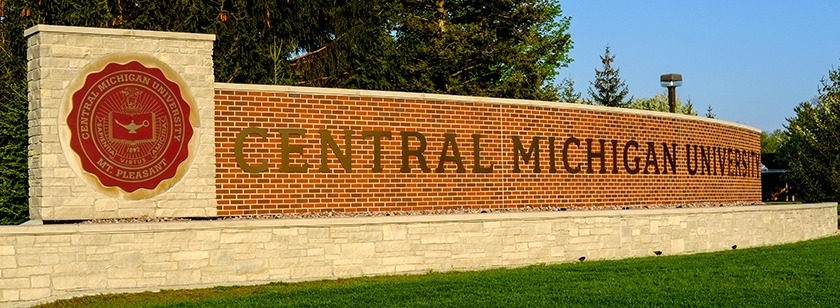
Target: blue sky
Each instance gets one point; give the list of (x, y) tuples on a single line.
[(752, 61)]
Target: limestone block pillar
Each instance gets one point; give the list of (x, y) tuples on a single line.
[(121, 123)]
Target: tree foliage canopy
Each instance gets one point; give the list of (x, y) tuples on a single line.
[(608, 89), (568, 94), (812, 151), (771, 141), (659, 102), (710, 113), (498, 48), (486, 48)]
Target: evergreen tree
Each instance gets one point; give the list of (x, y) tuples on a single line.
[(688, 108), (568, 94), (811, 150), (609, 90), (14, 185), (709, 113), (493, 48)]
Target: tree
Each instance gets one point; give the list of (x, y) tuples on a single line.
[(14, 184), (688, 108), (811, 150), (496, 48), (709, 113), (659, 102), (772, 141), (608, 89), (487, 48), (568, 94)]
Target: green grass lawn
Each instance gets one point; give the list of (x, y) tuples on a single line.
[(804, 274)]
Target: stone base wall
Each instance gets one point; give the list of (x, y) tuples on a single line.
[(46, 262)]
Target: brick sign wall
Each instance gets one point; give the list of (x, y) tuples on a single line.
[(293, 150)]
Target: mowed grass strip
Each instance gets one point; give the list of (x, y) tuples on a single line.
[(805, 274)]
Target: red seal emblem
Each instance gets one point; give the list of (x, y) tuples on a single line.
[(130, 126)]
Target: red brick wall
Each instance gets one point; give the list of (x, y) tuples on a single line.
[(276, 190)]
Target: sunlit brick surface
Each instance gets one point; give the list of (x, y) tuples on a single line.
[(498, 122)]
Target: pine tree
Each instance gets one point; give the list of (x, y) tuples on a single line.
[(14, 184), (568, 94), (609, 90), (688, 108), (709, 113), (496, 48)]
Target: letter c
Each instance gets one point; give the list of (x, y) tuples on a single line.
[(240, 156), (569, 142)]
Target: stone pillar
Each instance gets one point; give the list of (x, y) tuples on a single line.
[(121, 124)]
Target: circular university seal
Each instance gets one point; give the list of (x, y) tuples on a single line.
[(130, 125)]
